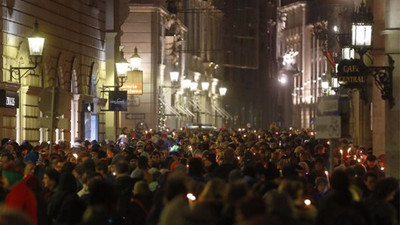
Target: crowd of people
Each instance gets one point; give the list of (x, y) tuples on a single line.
[(179, 177)]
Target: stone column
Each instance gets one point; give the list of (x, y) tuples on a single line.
[(392, 47)]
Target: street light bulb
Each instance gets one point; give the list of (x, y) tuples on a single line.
[(283, 79), (222, 91), (205, 85), (193, 86), (121, 64), (325, 84), (135, 60), (186, 83), (174, 75), (36, 41)]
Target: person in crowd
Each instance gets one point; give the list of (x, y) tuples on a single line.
[(50, 182), (369, 183), (246, 176), (123, 186), (10, 216), (372, 166), (140, 203), (20, 196), (379, 202), (64, 206), (228, 164)]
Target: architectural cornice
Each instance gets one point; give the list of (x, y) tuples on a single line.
[(9, 86)]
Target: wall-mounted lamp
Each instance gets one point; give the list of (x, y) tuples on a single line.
[(122, 66), (36, 43), (362, 21), (222, 91), (186, 83), (135, 60), (174, 74), (193, 86), (205, 85)]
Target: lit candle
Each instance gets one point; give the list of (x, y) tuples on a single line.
[(307, 202), (191, 197), (341, 153), (327, 177), (382, 168)]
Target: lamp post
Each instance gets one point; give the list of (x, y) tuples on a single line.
[(36, 43)]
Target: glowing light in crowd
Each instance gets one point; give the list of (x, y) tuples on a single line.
[(348, 150), (75, 155), (191, 197), (382, 168), (307, 202), (326, 173)]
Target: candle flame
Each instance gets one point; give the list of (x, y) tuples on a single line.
[(191, 197)]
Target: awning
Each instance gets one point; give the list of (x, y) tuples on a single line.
[(184, 111), (199, 107), (170, 108), (222, 112)]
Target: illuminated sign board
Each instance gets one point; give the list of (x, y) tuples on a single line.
[(134, 83), (352, 73), (118, 101), (9, 99)]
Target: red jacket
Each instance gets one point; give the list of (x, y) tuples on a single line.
[(22, 198)]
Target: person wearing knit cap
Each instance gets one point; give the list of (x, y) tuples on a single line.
[(19, 195)]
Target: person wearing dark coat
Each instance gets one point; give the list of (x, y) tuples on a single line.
[(379, 202), (64, 206), (338, 206), (228, 164), (123, 186), (140, 203)]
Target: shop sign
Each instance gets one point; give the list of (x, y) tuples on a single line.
[(134, 83), (352, 73), (9, 99), (117, 101)]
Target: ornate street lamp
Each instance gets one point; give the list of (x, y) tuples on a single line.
[(174, 74), (36, 43), (122, 66), (205, 85), (193, 86), (186, 83), (135, 60), (361, 31), (362, 21), (222, 91)]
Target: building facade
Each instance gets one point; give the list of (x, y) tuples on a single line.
[(73, 62)]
